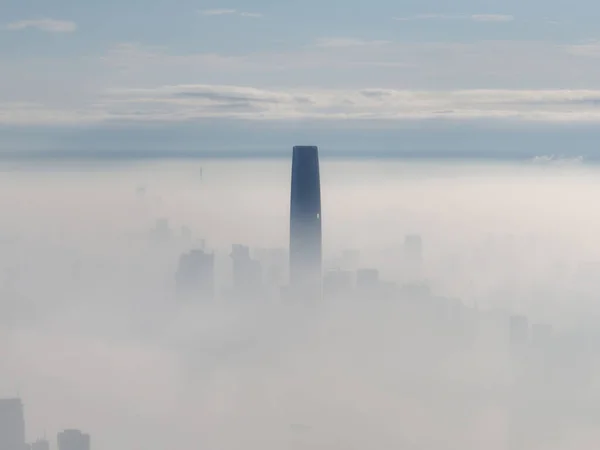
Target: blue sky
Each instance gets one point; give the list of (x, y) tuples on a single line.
[(80, 64)]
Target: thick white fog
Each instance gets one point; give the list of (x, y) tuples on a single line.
[(93, 337)]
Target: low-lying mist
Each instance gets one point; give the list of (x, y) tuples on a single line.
[(93, 337)]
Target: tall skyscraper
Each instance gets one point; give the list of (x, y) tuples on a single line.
[(73, 440), (12, 425), (305, 223)]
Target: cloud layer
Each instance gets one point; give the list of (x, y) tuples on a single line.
[(330, 78), (99, 342), (48, 25), (228, 12), (472, 17), (339, 42), (201, 101)]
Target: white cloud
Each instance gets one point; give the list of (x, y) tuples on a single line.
[(217, 12), (472, 17), (49, 25), (429, 65), (199, 101), (492, 18), (348, 42), (413, 81), (588, 49), (429, 17), (251, 14), (224, 12), (557, 160)]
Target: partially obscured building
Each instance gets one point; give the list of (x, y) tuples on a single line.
[(413, 257), (195, 277), (73, 440), (162, 231), (519, 340), (367, 279), (519, 331), (413, 248), (338, 283), (247, 272), (305, 224), (12, 425), (40, 444), (274, 262)]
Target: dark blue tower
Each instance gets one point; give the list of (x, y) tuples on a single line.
[(305, 223)]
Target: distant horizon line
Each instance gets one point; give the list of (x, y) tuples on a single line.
[(324, 153)]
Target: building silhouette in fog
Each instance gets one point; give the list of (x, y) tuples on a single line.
[(518, 334), (73, 440), (195, 277), (247, 272), (338, 283), (413, 256), (12, 425), (305, 223), (367, 280), (40, 444), (413, 247), (274, 263), (162, 231)]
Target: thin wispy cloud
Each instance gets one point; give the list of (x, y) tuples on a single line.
[(492, 18), (589, 49), (229, 12), (175, 103), (339, 42), (251, 14), (470, 17), (378, 104), (47, 25), (217, 12)]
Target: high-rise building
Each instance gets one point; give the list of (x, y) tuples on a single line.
[(413, 257), (12, 424), (519, 331), (367, 279), (195, 277), (40, 444), (73, 440), (305, 223), (247, 272), (519, 340), (274, 262), (413, 247), (162, 231), (338, 283)]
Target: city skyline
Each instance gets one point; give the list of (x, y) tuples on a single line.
[(320, 225), (395, 314)]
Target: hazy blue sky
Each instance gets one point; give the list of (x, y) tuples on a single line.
[(339, 64)]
